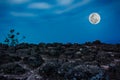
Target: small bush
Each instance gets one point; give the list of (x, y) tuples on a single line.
[(97, 42), (12, 38)]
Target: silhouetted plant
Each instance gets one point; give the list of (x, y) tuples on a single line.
[(12, 38), (97, 42)]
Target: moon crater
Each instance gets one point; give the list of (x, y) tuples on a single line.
[(94, 18)]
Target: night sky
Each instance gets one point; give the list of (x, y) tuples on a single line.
[(61, 20)]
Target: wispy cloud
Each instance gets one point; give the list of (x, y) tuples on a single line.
[(83, 2), (17, 1), (65, 2), (53, 9), (41, 5), (22, 14)]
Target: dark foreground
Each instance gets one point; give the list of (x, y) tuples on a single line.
[(57, 61)]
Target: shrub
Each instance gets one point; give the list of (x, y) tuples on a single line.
[(12, 38), (97, 42)]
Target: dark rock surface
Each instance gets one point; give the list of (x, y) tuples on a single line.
[(57, 61), (12, 68)]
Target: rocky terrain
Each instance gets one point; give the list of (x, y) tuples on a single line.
[(57, 61)]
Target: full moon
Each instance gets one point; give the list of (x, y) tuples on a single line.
[(94, 18)]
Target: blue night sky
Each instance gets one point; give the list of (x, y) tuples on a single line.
[(61, 20)]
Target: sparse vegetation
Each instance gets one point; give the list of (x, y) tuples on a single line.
[(12, 38)]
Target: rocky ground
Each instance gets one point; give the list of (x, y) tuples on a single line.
[(57, 61)]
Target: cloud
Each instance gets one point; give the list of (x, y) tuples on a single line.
[(41, 5), (22, 14), (65, 2), (18, 1), (72, 7)]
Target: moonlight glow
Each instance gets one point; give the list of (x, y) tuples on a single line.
[(94, 18)]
